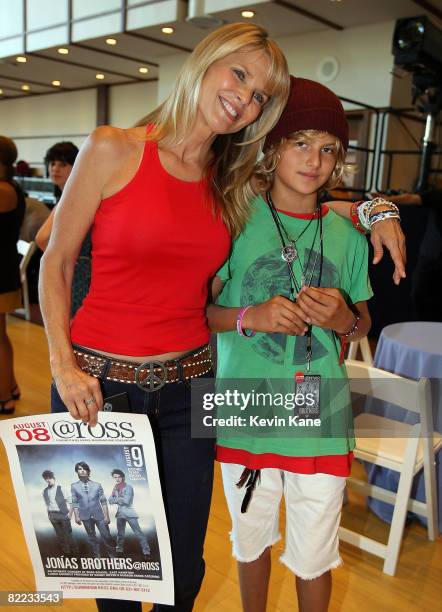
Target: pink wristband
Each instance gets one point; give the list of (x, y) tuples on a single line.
[(239, 327)]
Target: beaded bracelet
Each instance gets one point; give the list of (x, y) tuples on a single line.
[(364, 210), (363, 215), (239, 327), (382, 216), (354, 327), (383, 202)]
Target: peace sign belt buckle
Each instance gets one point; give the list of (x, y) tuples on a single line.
[(156, 376)]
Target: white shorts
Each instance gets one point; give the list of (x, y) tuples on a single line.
[(313, 505)]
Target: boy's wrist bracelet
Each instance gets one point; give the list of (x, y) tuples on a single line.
[(353, 329), (239, 327)]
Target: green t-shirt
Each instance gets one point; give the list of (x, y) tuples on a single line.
[(254, 273)]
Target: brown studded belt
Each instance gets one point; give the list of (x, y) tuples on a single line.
[(150, 375)]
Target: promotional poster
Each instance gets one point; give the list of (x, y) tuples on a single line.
[(91, 505)]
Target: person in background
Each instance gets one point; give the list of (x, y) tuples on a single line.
[(59, 160), (22, 168), (12, 209)]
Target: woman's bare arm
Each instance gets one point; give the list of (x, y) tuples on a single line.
[(91, 179)]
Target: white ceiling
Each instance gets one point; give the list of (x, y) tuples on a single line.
[(146, 46)]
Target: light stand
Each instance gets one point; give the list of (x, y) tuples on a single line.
[(429, 97)]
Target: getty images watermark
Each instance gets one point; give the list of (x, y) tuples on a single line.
[(302, 409), (307, 406)]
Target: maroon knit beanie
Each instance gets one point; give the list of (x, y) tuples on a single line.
[(310, 106)]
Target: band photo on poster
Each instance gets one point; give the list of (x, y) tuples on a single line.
[(91, 506)]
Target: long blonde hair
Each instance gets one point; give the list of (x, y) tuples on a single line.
[(235, 154)]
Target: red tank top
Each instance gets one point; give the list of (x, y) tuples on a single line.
[(155, 245)]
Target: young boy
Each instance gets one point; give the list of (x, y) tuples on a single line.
[(293, 291)]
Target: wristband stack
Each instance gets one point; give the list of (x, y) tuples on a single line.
[(364, 215)]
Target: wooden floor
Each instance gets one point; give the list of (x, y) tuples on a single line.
[(359, 586)]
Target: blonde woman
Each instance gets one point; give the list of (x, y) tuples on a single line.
[(163, 203)]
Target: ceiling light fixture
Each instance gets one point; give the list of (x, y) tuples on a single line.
[(99, 76), (63, 51), (198, 18), (248, 14), (56, 83), (143, 70), (25, 87), (21, 59), (111, 41), (1, 92), (167, 30)]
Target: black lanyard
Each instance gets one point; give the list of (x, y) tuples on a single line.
[(287, 243), (289, 249)]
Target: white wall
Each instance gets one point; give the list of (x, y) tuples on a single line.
[(364, 55), (38, 122), (129, 103), (170, 66)]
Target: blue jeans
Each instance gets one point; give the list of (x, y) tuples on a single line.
[(63, 529), (135, 526), (103, 528), (186, 474)]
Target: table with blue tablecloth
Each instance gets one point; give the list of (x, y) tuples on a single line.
[(413, 350)]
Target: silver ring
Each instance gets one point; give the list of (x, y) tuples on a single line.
[(89, 401)]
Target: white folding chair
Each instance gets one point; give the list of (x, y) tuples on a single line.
[(398, 446), (367, 357), (26, 249)]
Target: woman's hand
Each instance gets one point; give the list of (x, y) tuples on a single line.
[(325, 307), (80, 393), (388, 233), (278, 314)]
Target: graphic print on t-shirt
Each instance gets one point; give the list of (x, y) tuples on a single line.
[(268, 276)]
